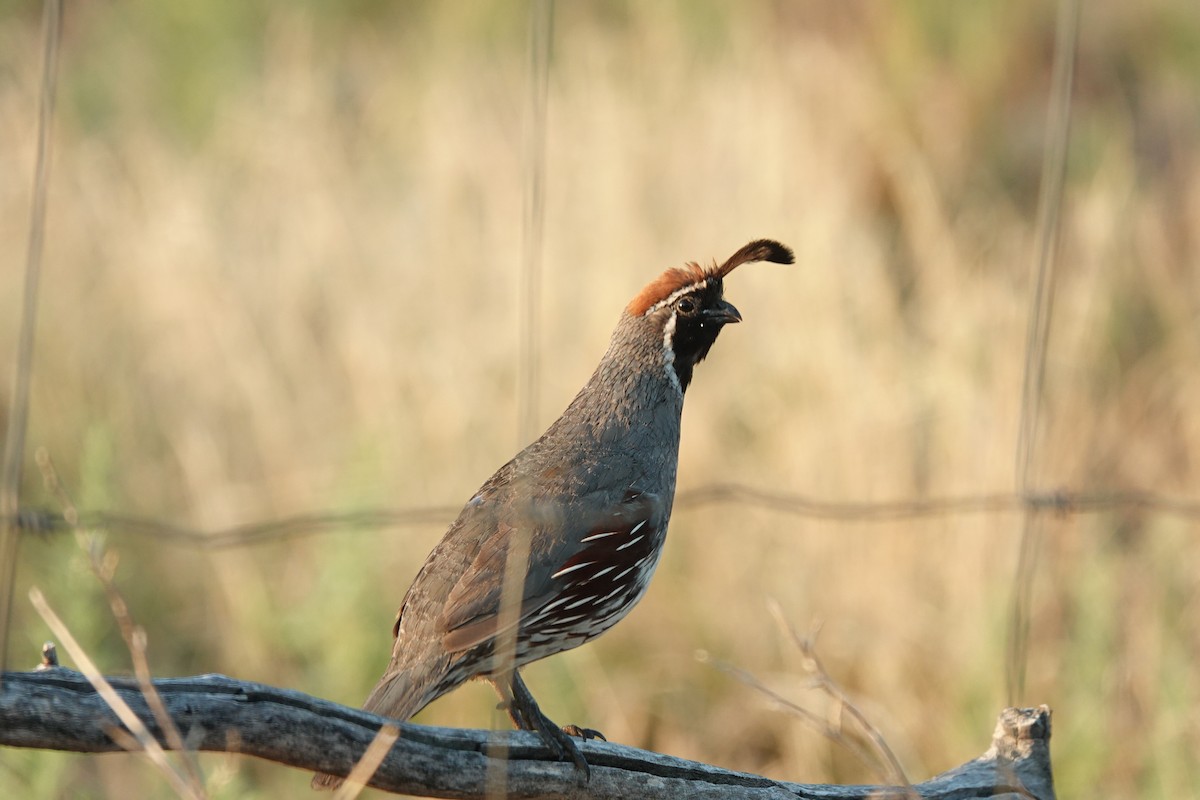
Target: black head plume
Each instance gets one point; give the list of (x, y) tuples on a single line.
[(677, 278), (695, 298)]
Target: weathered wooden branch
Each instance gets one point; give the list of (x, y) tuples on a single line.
[(57, 709)]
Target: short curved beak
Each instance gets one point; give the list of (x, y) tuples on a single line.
[(722, 313)]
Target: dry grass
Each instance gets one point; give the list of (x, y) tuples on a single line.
[(282, 275)]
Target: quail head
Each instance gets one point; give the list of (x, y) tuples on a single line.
[(585, 507)]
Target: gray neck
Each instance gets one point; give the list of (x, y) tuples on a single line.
[(629, 411)]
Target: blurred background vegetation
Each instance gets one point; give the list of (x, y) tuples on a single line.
[(282, 276)]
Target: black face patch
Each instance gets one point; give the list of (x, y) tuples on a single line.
[(696, 327)]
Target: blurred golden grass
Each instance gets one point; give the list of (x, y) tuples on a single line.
[(282, 271)]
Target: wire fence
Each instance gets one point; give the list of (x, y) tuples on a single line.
[(1028, 499), (1059, 503)]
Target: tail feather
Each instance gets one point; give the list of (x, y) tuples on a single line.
[(396, 696)]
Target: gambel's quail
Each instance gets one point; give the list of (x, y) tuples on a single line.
[(588, 502)]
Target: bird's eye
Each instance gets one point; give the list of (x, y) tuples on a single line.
[(687, 305)]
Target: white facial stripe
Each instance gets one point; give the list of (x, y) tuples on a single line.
[(669, 351), (675, 295)]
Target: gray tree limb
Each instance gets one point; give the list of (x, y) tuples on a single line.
[(57, 709)]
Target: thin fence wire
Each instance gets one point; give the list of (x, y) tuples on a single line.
[(14, 438), (1046, 237), (516, 563), (1062, 503), (541, 25)]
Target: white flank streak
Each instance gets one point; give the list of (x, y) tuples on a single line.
[(601, 535), (625, 572), (611, 594), (569, 570), (604, 571), (630, 543), (669, 352), (635, 528), (554, 604), (578, 603)]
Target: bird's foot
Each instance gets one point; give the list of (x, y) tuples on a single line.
[(561, 742), (523, 710), (584, 733)]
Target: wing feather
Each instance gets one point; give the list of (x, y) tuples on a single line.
[(471, 615)]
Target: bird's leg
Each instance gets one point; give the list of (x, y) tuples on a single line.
[(524, 712)]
